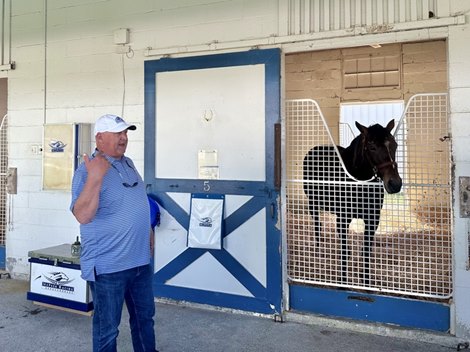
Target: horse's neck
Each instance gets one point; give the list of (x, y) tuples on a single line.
[(355, 161)]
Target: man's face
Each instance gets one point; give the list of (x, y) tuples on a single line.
[(113, 144)]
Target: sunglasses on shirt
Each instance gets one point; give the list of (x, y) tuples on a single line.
[(124, 183)]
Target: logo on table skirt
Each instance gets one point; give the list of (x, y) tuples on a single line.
[(57, 281), (206, 222)]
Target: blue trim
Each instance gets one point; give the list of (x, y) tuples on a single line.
[(208, 196), (2, 257), (256, 188), (182, 261), (190, 255), (232, 222), (238, 271), (252, 304), (267, 299), (83, 307), (242, 214), (180, 215), (373, 308)]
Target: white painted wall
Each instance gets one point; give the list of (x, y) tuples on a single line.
[(75, 76), (459, 91)]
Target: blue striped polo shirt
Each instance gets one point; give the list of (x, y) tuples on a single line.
[(117, 238)]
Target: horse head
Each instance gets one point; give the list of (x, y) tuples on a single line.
[(379, 148)]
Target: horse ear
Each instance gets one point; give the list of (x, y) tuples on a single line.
[(362, 129), (390, 125)]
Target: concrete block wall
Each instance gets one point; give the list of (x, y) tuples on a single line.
[(67, 71), (424, 68), (317, 75)]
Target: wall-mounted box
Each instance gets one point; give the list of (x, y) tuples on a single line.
[(121, 36), (64, 146)]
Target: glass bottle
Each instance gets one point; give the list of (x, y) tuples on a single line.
[(76, 248)]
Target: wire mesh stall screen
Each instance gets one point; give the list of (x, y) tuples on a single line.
[(348, 233)]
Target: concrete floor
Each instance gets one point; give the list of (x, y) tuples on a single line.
[(25, 326)]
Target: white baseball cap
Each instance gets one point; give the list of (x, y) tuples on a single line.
[(112, 123)]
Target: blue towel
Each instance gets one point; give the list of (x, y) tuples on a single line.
[(154, 212)]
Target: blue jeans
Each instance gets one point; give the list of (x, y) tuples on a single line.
[(110, 291)]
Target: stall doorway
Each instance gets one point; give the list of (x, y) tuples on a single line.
[(411, 262)]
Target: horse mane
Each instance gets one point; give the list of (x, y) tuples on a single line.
[(354, 158)]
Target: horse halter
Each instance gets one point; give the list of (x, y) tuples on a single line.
[(377, 168)]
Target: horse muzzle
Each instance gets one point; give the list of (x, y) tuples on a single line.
[(388, 172), (393, 184)]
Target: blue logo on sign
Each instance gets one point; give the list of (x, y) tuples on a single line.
[(206, 222), (57, 146)]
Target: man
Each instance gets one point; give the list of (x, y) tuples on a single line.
[(109, 201)]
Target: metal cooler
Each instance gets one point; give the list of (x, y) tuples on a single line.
[(55, 279)]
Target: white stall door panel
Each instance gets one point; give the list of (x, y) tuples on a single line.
[(216, 109)]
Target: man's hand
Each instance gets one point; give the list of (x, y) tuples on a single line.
[(87, 203), (97, 167)]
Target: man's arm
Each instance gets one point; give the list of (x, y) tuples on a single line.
[(87, 202)]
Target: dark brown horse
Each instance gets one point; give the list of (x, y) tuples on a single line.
[(370, 157)]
